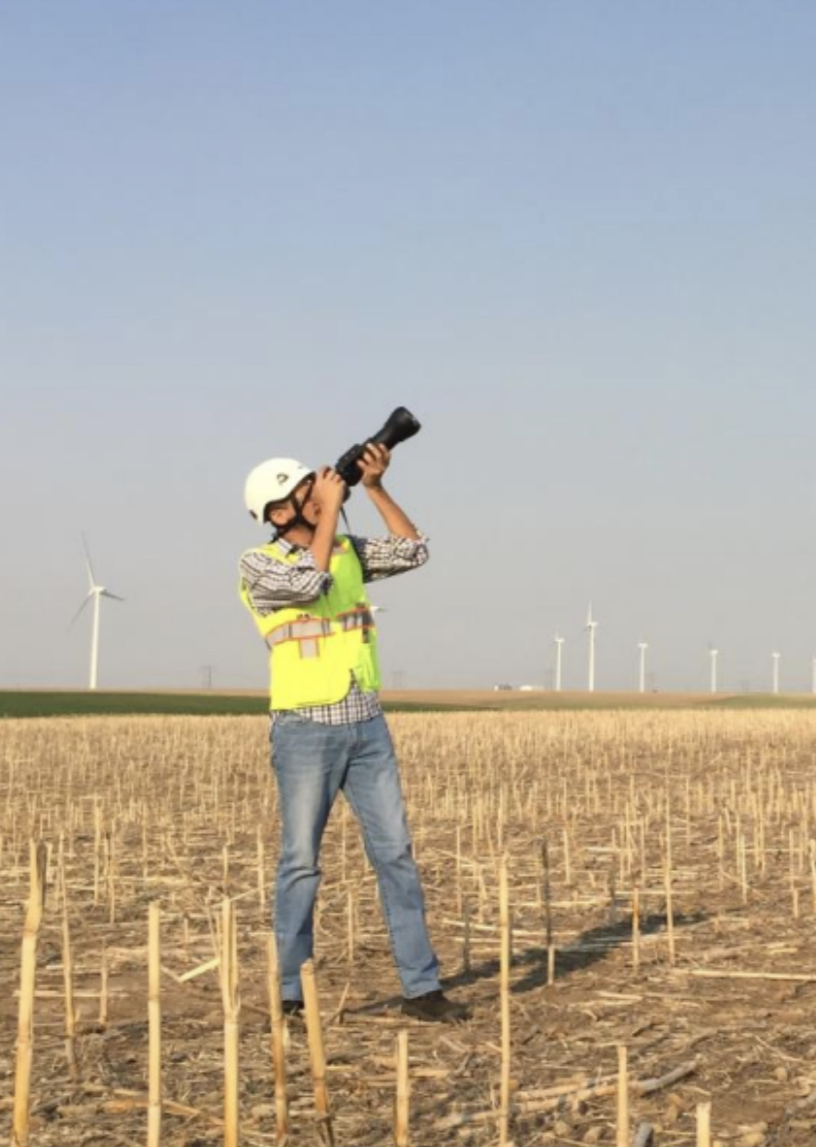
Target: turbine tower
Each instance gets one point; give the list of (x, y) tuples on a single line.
[(97, 592), (712, 653), (591, 625), (642, 646), (776, 657), (559, 641), (813, 682)]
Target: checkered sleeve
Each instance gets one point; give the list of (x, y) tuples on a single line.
[(386, 557), (275, 585)]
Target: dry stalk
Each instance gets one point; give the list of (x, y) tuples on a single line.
[(504, 922), (622, 1124), (97, 849), (278, 1040), (545, 859), (68, 981), (316, 1053), (103, 990), (154, 1081), (704, 1124), (38, 860), (668, 882), (350, 923), (232, 1008), (459, 870), (261, 875), (111, 877), (401, 1104)]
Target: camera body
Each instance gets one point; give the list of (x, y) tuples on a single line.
[(399, 426)]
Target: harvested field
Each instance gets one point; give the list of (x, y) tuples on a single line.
[(703, 820)]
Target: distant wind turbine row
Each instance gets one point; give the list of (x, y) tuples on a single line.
[(96, 592), (590, 629)]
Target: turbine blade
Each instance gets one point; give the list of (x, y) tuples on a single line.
[(88, 565), (114, 596), (79, 611)]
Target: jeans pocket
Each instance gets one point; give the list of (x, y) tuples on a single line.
[(286, 722), (290, 717)]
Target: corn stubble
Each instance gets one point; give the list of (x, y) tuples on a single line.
[(627, 899)]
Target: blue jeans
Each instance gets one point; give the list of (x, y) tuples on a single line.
[(312, 763)]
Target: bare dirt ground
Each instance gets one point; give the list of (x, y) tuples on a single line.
[(182, 811)]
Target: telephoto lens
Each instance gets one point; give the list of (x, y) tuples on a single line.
[(399, 426)]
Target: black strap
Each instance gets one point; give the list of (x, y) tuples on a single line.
[(297, 519)]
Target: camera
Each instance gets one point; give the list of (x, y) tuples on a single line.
[(399, 426)]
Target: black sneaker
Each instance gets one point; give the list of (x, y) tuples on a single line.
[(435, 1008), (291, 1010)]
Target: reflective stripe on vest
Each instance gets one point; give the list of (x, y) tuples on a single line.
[(300, 630), (360, 617), (307, 629)]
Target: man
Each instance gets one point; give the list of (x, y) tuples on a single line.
[(305, 590)]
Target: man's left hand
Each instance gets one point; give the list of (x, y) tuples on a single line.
[(373, 464)]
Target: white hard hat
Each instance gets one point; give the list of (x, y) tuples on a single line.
[(272, 481)]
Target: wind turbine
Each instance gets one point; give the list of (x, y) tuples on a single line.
[(776, 657), (591, 625), (97, 592), (642, 646), (712, 653), (813, 682), (559, 641)]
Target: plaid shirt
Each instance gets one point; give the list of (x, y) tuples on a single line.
[(273, 585)]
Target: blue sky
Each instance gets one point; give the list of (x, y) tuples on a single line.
[(576, 239)]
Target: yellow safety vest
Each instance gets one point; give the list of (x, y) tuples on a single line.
[(315, 649)]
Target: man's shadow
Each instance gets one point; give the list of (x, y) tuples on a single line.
[(587, 949)]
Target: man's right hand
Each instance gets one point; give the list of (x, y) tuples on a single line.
[(329, 490), (327, 494)]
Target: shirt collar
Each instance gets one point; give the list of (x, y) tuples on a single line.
[(293, 548)]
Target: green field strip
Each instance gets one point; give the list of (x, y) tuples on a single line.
[(65, 703)]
